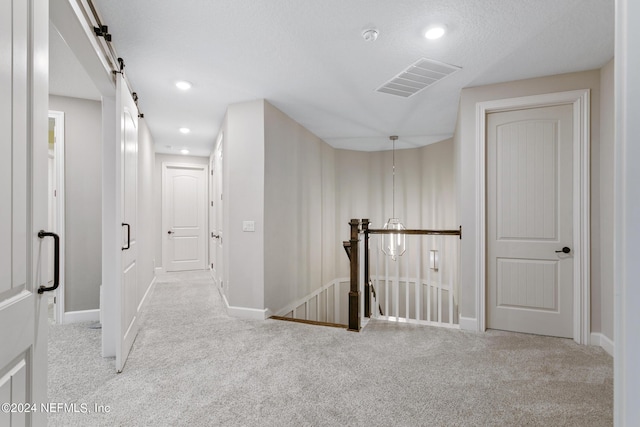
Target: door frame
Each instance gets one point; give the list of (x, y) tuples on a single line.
[(579, 99), (75, 22), (58, 116), (195, 166)]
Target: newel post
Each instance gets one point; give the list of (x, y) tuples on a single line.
[(354, 291)]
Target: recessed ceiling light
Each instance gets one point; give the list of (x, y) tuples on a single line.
[(184, 85), (434, 33), (184, 151), (185, 130)]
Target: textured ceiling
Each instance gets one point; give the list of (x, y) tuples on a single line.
[(309, 59)]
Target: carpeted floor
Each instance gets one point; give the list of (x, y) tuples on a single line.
[(192, 365)]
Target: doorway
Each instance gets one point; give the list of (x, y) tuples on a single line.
[(55, 202), (184, 216), (216, 215), (578, 101)]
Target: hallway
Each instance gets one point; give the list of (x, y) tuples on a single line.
[(193, 365)]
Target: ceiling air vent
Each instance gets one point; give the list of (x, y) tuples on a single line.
[(417, 77)]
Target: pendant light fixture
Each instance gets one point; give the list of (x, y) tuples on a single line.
[(393, 243)]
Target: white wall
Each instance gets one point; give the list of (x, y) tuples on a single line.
[(466, 163), (158, 233), (294, 190), (425, 189), (83, 203)]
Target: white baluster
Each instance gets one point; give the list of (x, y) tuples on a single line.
[(406, 282), (386, 286), (429, 273), (418, 285)]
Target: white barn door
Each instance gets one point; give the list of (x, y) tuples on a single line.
[(530, 220), (23, 211), (127, 287), (184, 216)]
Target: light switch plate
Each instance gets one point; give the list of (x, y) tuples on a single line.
[(248, 226)]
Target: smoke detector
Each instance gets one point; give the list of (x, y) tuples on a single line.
[(370, 35)]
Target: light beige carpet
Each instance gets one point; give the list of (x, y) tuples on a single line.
[(192, 365)]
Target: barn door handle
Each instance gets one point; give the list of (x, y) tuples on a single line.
[(564, 250), (124, 224), (56, 261)]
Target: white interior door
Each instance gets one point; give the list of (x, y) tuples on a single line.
[(218, 203), (529, 219), (212, 218), (23, 211), (184, 216), (127, 295)]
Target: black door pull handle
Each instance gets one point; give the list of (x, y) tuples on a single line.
[(124, 224), (564, 250), (170, 232), (56, 261)]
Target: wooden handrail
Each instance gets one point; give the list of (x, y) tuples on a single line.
[(415, 231)]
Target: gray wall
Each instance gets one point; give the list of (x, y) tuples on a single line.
[(155, 217), (83, 206), (465, 152)]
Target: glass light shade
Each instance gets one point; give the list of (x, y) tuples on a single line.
[(394, 244)]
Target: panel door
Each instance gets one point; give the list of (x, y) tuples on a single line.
[(212, 219), (218, 203), (23, 210), (127, 292), (184, 215), (529, 218)]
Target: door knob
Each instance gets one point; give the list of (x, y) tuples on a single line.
[(169, 232), (564, 250)]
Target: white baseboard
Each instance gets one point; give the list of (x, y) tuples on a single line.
[(82, 316), (159, 270), (603, 341), (468, 324), (244, 312)]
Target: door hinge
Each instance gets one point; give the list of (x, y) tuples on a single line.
[(212, 234), (55, 300), (212, 204), (220, 196), (211, 265)]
